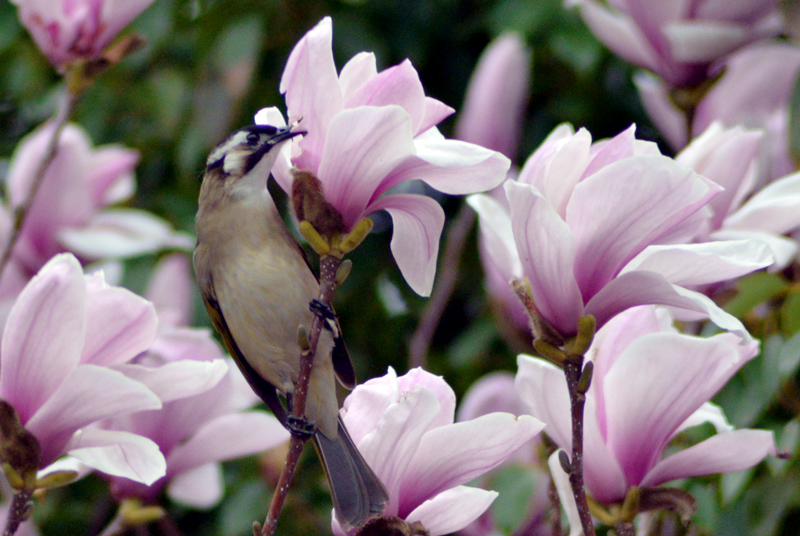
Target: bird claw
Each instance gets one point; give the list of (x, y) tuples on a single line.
[(300, 427)]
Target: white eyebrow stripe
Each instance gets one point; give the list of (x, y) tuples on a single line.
[(237, 139)]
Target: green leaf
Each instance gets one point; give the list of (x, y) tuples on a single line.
[(754, 290), (516, 485), (790, 314), (794, 122)]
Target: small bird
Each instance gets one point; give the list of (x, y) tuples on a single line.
[(257, 286)]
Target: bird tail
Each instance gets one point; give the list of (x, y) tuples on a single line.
[(357, 492)]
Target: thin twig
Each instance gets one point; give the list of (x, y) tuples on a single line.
[(19, 510), (327, 286), (572, 370), (445, 283), (59, 119)]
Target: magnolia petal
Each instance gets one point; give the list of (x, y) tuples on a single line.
[(546, 250), (200, 488), (311, 87), (363, 409), (170, 290), (620, 34), (707, 413), (565, 496), (498, 235), (775, 209), (176, 344), (491, 393), (418, 377), (110, 175), (623, 145), (451, 166), (703, 41), (118, 453), (172, 381), (418, 223), (43, 335), (638, 288), (701, 264), (542, 387), (662, 111), (282, 170), (435, 112), (782, 249), (625, 207), (643, 411), (397, 85), (452, 510), (452, 455), (565, 168), (119, 325), (363, 146), (722, 453), (358, 71), (227, 437), (87, 394), (712, 311), (123, 233), (390, 448)]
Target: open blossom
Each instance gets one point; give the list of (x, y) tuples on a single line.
[(62, 337), (598, 228), (679, 40), (649, 384), (754, 92), (729, 158), (202, 421), (71, 209), (370, 131), (68, 30), (404, 428)]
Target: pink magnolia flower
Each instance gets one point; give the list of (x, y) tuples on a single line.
[(62, 336), (369, 132), (202, 421), (492, 393), (729, 158), (583, 217), (649, 384), (69, 212), (498, 90), (404, 429), (754, 92), (679, 40), (68, 30)]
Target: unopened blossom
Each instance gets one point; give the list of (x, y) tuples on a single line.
[(62, 337), (679, 40), (583, 216), (492, 117), (498, 91), (754, 91), (729, 157), (70, 30), (71, 210), (404, 428), (203, 420), (649, 384), (367, 133)]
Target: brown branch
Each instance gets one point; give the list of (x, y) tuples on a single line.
[(19, 510), (572, 370), (329, 264), (445, 284), (624, 528), (59, 119)]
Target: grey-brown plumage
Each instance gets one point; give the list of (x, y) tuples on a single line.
[(257, 286)]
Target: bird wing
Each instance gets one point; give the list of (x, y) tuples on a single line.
[(265, 390)]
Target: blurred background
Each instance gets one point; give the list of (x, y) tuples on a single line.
[(209, 65)]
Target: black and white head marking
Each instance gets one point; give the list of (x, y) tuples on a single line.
[(244, 149)]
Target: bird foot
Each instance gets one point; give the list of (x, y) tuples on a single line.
[(300, 427)]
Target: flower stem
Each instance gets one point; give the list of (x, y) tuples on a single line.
[(624, 528), (573, 368), (445, 283), (59, 119), (328, 264), (19, 510)]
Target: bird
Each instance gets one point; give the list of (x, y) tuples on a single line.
[(258, 287)]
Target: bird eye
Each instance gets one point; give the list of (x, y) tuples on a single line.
[(252, 138)]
